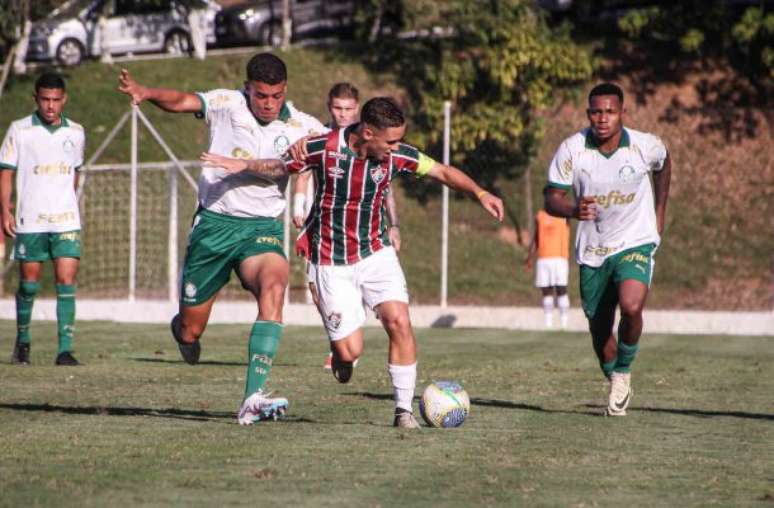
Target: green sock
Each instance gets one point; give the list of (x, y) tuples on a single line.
[(264, 341), (65, 315), (607, 367), (626, 354), (25, 297)]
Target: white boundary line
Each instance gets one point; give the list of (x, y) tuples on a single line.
[(422, 316)]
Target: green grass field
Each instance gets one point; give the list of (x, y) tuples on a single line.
[(136, 426)]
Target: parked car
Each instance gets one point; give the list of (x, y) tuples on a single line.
[(260, 21), (73, 32)]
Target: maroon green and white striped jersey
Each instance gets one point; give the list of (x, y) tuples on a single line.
[(347, 222)]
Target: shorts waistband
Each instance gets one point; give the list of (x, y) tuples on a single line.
[(236, 220)]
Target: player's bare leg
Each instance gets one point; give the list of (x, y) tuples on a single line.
[(346, 352), (631, 296), (603, 338), (266, 277), (29, 283), (188, 326), (65, 272), (402, 360)]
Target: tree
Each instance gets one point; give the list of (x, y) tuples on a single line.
[(499, 64)]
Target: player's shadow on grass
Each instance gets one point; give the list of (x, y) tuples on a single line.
[(182, 414), (505, 404), (202, 362), (210, 362), (704, 413)]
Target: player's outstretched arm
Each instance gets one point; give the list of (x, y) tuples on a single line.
[(6, 213), (271, 169), (661, 180), (457, 180), (557, 204), (173, 101)]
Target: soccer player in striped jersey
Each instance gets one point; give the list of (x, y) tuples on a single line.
[(236, 226), (347, 239), (609, 169), (44, 152), (344, 108)]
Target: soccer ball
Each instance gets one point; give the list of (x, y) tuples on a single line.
[(444, 404)]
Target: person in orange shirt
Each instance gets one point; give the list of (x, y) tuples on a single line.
[(550, 246)]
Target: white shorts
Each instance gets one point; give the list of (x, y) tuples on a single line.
[(550, 272), (342, 290)]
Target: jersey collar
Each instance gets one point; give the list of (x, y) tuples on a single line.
[(36, 120), (284, 114), (591, 143)]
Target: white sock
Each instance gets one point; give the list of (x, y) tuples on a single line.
[(404, 380), (564, 306), (548, 308)]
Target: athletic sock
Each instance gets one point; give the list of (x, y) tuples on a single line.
[(404, 380), (65, 315), (626, 354), (563, 302), (548, 309), (607, 367), (25, 297), (264, 341)]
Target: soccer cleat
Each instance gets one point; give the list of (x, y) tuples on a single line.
[(620, 394), (189, 351), (258, 407), (21, 354), (66, 358), (342, 371), (405, 419), (328, 361)]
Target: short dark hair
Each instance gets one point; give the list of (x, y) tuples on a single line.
[(267, 68), (382, 112), (607, 89), (343, 91), (49, 80)]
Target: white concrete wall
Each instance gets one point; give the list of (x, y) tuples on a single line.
[(518, 318)]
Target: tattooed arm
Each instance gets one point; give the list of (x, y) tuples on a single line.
[(271, 169)]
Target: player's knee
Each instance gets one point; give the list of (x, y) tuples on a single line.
[(631, 307), (398, 323)]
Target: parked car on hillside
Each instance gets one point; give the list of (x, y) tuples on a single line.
[(260, 21), (72, 32)]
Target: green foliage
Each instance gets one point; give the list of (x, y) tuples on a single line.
[(498, 63), (709, 28)]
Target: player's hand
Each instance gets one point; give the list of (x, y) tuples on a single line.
[(298, 150), (586, 209), (394, 234), (493, 205), (230, 164), (127, 85), (528, 264), (298, 221), (9, 225)]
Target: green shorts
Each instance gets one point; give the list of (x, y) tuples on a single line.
[(599, 286), (37, 247), (217, 245)]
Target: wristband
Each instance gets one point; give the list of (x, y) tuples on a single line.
[(299, 200), (481, 194)]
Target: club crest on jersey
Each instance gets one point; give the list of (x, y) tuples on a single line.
[(334, 320), (627, 174), (281, 144), (378, 173), (22, 250)]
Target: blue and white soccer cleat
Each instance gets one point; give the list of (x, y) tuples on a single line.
[(259, 406)]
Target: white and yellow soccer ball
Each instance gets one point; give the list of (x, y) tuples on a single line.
[(444, 404)]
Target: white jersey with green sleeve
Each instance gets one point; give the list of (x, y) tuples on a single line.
[(235, 132), (620, 182), (45, 159)]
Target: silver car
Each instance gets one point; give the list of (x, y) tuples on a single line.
[(73, 32)]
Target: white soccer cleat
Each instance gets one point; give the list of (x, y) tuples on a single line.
[(405, 420), (620, 394), (260, 406)]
